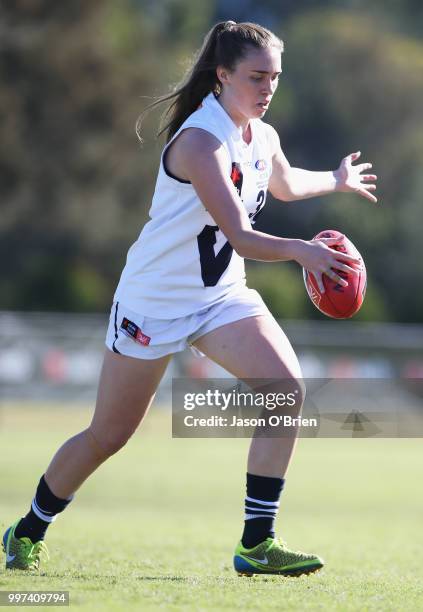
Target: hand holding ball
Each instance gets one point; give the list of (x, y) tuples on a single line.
[(338, 301)]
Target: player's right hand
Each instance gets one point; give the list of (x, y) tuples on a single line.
[(317, 257)]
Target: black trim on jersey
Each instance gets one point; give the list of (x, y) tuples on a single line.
[(116, 330), (212, 265), (168, 172)]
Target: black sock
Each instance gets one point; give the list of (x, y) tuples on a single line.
[(261, 506), (44, 508)]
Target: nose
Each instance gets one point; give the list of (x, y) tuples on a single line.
[(269, 87)]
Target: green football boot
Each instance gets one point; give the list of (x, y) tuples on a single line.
[(273, 557), (21, 553)]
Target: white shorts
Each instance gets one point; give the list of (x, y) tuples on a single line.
[(131, 334)]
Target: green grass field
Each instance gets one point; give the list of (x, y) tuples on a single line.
[(155, 527)]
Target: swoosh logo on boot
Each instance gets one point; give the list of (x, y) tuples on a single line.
[(9, 558), (264, 561)]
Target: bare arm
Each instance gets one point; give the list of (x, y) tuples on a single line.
[(203, 161), (288, 184)]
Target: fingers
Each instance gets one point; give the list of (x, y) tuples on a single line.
[(345, 268), (366, 194), (336, 278), (332, 275), (363, 167), (319, 281), (346, 258), (339, 254), (354, 156), (369, 177), (332, 241)]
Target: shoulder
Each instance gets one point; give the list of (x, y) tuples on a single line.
[(272, 137), (197, 138), (196, 142), (193, 150)]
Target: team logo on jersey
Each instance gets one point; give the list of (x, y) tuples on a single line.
[(261, 164), (237, 176)]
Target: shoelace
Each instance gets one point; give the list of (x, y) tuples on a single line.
[(284, 546), (37, 550), (278, 542)]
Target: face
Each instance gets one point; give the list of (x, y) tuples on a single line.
[(248, 90)]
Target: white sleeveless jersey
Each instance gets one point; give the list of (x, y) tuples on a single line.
[(182, 262)]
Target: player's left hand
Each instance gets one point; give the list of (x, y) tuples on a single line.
[(350, 178)]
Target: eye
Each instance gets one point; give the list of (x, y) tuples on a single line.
[(256, 78)]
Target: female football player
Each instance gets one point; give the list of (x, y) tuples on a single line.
[(184, 284)]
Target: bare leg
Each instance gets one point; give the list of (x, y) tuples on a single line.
[(126, 390), (256, 347)]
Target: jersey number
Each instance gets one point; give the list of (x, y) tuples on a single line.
[(212, 265)]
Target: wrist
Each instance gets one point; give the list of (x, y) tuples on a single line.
[(295, 248), (337, 180)]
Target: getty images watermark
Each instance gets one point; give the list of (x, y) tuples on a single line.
[(247, 401), (203, 408)]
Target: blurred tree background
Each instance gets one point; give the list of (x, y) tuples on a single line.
[(75, 185)]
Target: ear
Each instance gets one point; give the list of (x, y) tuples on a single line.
[(222, 74)]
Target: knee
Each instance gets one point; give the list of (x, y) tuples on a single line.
[(299, 390), (291, 388), (107, 443), (295, 392)]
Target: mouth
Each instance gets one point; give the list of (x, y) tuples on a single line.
[(264, 105)]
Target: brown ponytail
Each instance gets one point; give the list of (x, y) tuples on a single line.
[(224, 45)]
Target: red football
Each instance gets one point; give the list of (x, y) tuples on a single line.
[(337, 301)]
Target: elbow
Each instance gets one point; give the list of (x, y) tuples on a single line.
[(287, 196), (284, 196), (240, 243), (291, 197)]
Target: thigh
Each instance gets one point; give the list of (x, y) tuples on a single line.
[(254, 347), (126, 389)]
